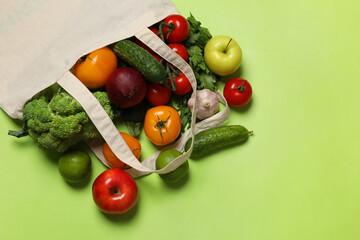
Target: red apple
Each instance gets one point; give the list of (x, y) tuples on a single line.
[(115, 191)]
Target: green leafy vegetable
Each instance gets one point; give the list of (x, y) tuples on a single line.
[(205, 78), (134, 118), (196, 58), (180, 103), (207, 81), (195, 44), (198, 35)]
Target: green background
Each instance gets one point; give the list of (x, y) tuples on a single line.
[(298, 176)]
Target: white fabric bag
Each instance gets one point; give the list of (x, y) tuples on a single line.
[(40, 40)]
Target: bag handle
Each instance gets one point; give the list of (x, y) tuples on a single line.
[(213, 121), (109, 131), (99, 118), (105, 125)]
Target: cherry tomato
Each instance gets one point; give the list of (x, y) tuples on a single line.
[(162, 125), (115, 162), (158, 94), (94, 69), (144, 46), (237, 92), (182, 83), (180, 31), (180, 50)]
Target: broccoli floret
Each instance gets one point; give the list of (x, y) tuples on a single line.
[(64, 104), (59, 122), (65, 126), (90, 132), (50, 142), (39, 111), (105, 102), (38, 115)]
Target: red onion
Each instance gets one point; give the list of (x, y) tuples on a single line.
[(126, 87)]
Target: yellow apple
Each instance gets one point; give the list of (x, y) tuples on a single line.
[(223, 55)]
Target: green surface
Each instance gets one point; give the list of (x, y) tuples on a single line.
[(298, 176)]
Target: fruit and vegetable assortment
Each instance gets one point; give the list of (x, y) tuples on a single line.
[(133, 83)]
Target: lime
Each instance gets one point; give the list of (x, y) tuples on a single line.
[(164, 158), (74, 165)]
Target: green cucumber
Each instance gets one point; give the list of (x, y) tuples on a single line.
[(215, 139), (141, 60)]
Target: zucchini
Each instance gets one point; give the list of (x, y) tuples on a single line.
[(215, 139), (141, 60)]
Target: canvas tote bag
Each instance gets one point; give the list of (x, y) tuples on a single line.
[(40, 40)]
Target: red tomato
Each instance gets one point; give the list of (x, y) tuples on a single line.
[(183, 85), (180, 50), (158, 94), (141, 44), (154, 30), (237, 92), (179, 31)]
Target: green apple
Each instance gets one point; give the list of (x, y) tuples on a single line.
[(223, 55)]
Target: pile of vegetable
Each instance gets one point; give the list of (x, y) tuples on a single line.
[(133, 83)]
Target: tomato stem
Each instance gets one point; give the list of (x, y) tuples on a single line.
[(160, 33), (161, 124), (170, 71), (241, 88), (83, 58), (87, 56), (170, 27), (172, 75), (135, 149)]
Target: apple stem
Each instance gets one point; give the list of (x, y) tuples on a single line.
[(114, 190), (251, 132), (227, 45)]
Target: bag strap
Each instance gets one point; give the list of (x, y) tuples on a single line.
[(211, 122), (99, 118), (105, 125), (109, 131)]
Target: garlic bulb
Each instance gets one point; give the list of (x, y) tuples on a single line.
[(207, 103)]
